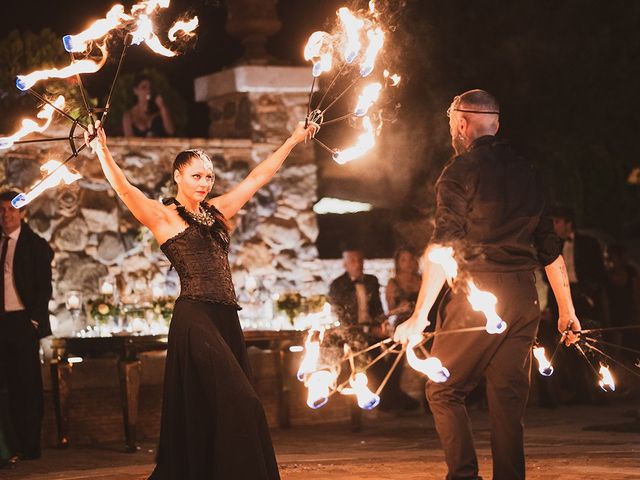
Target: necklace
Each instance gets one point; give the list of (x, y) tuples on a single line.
[(202, 216)]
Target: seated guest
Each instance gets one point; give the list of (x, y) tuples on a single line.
[(149, 117), (355, 299), (402, 290)]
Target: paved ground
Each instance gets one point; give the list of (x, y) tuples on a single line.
[(568, 443)]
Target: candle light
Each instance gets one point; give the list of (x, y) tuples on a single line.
[(73, 301), (106, 288)]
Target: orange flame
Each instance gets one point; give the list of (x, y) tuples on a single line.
[(30, 126), (309, 362), (366, 398), (606, 381), (395, 78), (485, 302), (368, 97), (365, 142), (186, 27), (544, 366), (376, 40), (320, 50), (99, 28), (61, 175), (352, 26), (25, 82), (430, 366), (144, 33), (319, 387)]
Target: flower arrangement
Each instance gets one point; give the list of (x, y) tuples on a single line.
[(163, 307), (291, 303), (314, 303), (102, 309)]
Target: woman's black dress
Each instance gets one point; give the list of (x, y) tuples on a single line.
[(213, 425)]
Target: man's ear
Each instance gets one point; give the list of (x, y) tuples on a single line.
[(463, 125), (176, 176)]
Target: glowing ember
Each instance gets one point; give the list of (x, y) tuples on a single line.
[(395, 78), (29, 126), (366, 398), (24, 82), (485, 302), (61, 175), (544, 367), (186, 27), (319, 385), (368, 97), (376, 40), (79, 43), (320, 51), (430, 366), (352, 26), (365, 142), (606, 381), (443, 256)]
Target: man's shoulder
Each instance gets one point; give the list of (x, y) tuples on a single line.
[(27, 234), (370, 278), (338, 280)]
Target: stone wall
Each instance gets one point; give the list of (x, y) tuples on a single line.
[(94, 236)]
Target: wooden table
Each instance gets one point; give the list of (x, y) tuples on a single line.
[(128, 348)]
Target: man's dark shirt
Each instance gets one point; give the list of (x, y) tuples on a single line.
[(490, 207)]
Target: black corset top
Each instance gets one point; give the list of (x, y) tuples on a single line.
[(200, 256)]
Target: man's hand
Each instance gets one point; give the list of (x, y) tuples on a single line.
[(95, 138), (567, 325), (411, 327), (301, 133)]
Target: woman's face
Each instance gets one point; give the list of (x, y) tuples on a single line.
[(195, 180), (143, 90), (407, 262)]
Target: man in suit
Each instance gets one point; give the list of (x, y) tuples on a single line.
[(355, 300), (25, 290)]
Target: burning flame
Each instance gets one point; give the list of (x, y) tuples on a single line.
[(443, 256), (61, 175), (352, 26), (366, 398), (79, 42), (186, 27), (395, 78), (376, 40), (544, 367), (30, 126), (320, 50), (365, 142), (309, 362), (485, 302), (606, 381), (149, 6), (24, 82), (319, 387), (368, 97), (144, 33), (430, 366)]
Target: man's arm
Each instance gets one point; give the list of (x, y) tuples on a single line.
[(433, 278), (559, 281)]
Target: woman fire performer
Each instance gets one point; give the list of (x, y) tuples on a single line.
[(213, 424)]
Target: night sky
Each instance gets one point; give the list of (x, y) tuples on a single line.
[(564, 71)]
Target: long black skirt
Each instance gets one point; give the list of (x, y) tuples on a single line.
[(213, 424)]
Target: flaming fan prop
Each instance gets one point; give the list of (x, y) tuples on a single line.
[(355, 46), (137, 27)]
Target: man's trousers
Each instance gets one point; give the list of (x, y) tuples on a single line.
[(503, 359)]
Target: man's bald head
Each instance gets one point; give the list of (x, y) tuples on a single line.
[(472, 114)]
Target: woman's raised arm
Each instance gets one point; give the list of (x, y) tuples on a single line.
[(149, 212), (231, 202)]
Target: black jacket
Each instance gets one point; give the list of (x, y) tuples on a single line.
[(343, 299), (32, 276)]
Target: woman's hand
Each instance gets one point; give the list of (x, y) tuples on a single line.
[(301, 134), (159, 102), (96, 138)]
